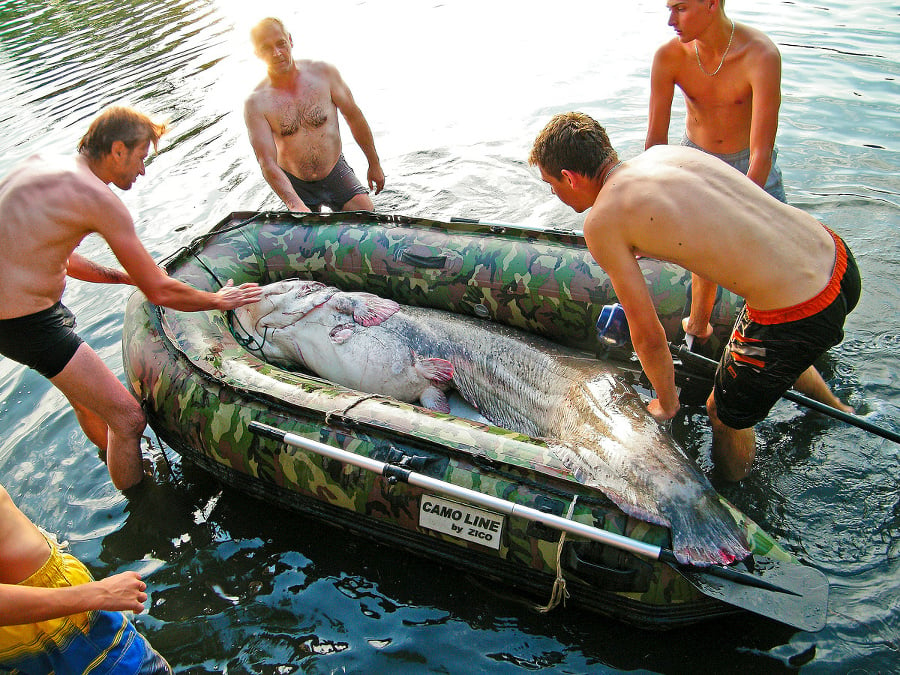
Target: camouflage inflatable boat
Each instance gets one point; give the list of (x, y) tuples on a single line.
[(202, 386)]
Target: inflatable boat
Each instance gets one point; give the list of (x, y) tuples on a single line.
[(204, 389)]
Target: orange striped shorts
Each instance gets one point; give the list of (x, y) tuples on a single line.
[(769, 350)]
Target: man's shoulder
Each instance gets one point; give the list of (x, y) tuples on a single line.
[(756, 38), (312, 66), (758, 45), (670, 56), (48, 174)]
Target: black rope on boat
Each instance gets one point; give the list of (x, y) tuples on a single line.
[(162, 449), (250, 343)]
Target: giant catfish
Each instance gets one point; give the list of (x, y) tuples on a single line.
[(594, 423)]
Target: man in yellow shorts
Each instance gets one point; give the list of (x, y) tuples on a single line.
[(54, 618)]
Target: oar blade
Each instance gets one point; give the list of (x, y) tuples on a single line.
[(803, 604)]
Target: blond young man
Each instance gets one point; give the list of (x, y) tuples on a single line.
[(730, 75)]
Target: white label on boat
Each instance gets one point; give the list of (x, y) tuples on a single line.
[(461, 521)]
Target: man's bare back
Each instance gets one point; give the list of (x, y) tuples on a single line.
[(733, 226), (24, 549), (681, 204)]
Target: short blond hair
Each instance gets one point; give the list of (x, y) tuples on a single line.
[(265, 22)]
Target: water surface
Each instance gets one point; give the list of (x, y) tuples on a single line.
[(455, 92)]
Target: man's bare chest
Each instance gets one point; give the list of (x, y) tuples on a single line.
[(307, 110), (711, 92)]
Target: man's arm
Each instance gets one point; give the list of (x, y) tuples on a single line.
[(648, 337), (117, 228), (765, 82), (662, 91), (359, 127), (124, 592), (703, 299), (267, 156), (79, 267)]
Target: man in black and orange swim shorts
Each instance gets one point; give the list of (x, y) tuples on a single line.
[(684, 206), (769, 350)]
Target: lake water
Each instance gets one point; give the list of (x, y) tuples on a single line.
[(455, 91)]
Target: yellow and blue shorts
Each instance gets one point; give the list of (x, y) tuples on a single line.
[(92, 642)]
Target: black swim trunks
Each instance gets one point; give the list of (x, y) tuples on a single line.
[(333, 191), (45, 340), (769, 350)]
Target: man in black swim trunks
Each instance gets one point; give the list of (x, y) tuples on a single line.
[(292, 122), (47, 207), (799, 279)]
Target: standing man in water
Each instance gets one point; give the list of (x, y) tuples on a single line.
[(292, 122), (798, 278), (730, 75), (47, 207)]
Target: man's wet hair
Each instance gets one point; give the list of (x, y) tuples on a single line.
[(572, 141), (119, 123)]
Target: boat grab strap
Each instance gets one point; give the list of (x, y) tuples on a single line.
[(559, 592), (355, 402)]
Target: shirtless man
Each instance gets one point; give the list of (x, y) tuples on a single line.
[(799, 280), (730, 75), (47, 207), (54, 617), (292, 122)]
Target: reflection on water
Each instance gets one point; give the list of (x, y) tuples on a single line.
[(454, 92)]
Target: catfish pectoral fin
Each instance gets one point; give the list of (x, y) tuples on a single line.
[(371, 310), (436, 370)]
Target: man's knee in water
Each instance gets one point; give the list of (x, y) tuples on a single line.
[(129, 419)]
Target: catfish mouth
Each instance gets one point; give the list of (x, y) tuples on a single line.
[(340, 327), (341, 333)]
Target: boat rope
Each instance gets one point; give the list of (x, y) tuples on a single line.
[(355, 402), (250, 343), (559, 592)]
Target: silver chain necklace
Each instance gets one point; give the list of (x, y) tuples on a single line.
[(606, 177), (722, 62)]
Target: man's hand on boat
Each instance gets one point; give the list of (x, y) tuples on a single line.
[(231, 296)]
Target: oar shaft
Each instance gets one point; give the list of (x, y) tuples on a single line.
[(709, 366), (465, 494)]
